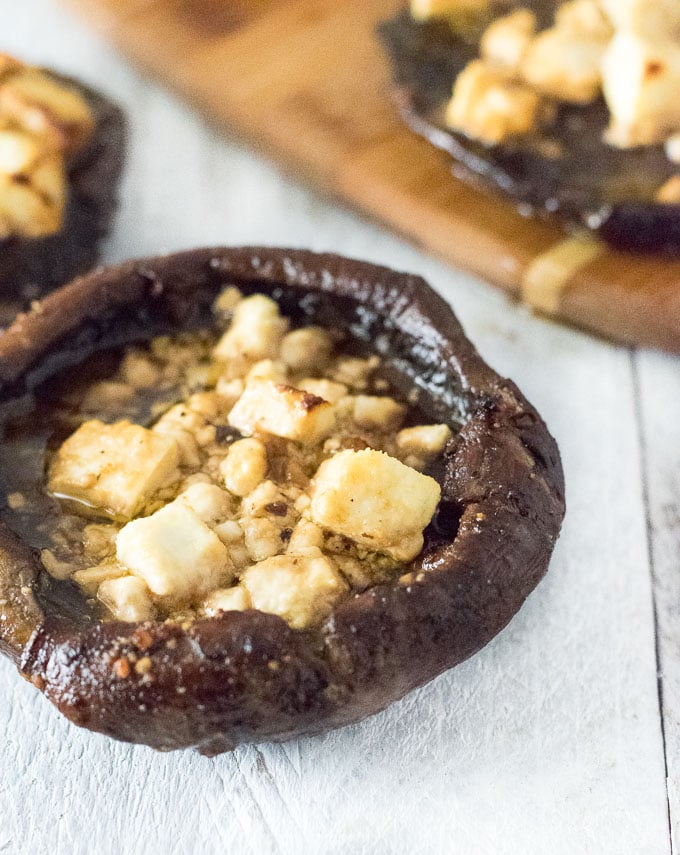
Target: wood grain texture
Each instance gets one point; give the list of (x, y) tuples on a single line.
[(658, 381), (549, 741), (306, 82)]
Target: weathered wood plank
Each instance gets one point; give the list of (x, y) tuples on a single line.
[(659, 384)]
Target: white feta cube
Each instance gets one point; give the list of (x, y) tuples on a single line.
[(306, 349), (235, 599), (268, 407), (301, 589), (586, 18), (210, 503), (506, 40), (641, 86), (375, 500), (244, 467), (425, 440), (565, 65), (47, 108), (655, 20), (488, 106), (114, 468), (255, 333), (175, 553), (374, 412), (127, 598), (91, 578)]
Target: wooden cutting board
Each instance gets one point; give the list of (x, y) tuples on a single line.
[(307, 82)]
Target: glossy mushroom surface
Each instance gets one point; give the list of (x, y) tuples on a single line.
[(247, 676)]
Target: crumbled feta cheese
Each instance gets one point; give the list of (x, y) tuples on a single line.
[(255, 333), (585, 18), (90, 579), (655, 20), (669, 193), (301, 589), (425, 440), (244, 467), (211, 504), (487, 106), (234, 599), (265, 499), (641, 85), (262, 537), (305, 536), (227, 301), (673, 148), (175, 553), (565, 65), (306, 349), (267, 369), (115, 468), (282, 411), (375, 500), (506, 40), (47, 107), (378, 413), (327, 389), (127, 598)]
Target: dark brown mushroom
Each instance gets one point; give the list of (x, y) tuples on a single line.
[(567, 172), (29, 267), (247, 676)]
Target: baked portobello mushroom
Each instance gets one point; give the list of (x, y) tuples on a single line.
[(278, 581), (61, 153), (552, 148)]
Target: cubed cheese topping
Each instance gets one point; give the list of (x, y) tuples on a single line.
[(299, 588), (92, 577), (487, 106), (375, 500), (223, 523), (268, 407), (306, 349), (506, 40), (127, 598), (256, 331), (654, 20), (47, 108), (41, 121), (565, 65), (669, 193), (175, 553), (244, 467), (425, 440), (210, 503), (19, 152), (641, 86), (378, 413), (114, 468), (234, 599), (586, 18)]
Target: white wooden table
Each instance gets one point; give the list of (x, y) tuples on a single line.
[(562, 736)]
